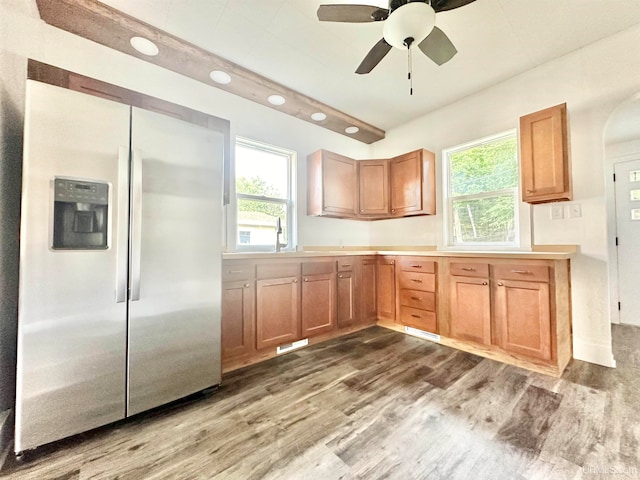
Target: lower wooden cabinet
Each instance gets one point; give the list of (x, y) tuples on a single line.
[(386, 288), (277, 311), (346, 299), (368, 285), (238, 320), (470, 309), (318, 304), (523, 318), (416, 292)]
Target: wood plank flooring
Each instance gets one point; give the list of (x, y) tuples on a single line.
[(376, 405)]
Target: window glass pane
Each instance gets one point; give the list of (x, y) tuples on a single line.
[(635, 214), (484, 220), (635, 195), (260, 172), (634, 176), (484, 168), (257, 222)]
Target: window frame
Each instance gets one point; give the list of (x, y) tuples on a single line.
[(289, 202), (520, 213)]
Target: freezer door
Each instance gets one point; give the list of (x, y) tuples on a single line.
[(176, 215), (72, 310)]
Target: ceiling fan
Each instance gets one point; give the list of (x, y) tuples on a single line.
[(407, 22)]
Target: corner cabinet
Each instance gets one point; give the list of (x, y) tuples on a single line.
[(332, 185), (544, 157), (371, 189), (412, 184)]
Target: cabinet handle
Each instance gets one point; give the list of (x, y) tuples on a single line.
[(485, 283), (234, 271), (416, 280), (246, 285), (531, 191), (295, 280), (415, 316), (524, 272), (345, 265), (468, 269), (416, 266), (500, 284), (415, 298)]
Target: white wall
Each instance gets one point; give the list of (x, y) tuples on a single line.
[(592, 81)]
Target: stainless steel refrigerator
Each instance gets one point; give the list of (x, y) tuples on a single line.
[(119, 265)]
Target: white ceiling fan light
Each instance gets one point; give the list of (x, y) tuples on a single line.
[(413, 20)]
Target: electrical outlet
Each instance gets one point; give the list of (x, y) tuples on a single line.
[(557, 212), (575, 210)]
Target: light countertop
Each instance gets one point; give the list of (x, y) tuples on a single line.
[(545, 252)]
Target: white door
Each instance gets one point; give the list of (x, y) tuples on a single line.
[(627, 187)]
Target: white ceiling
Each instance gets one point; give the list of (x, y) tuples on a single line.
[(284, 41)]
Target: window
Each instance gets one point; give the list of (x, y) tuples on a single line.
[(264, 194), (482, 192)]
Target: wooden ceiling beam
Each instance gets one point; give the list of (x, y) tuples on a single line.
[(107, 26)]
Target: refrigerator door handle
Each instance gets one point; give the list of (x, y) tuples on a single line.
[(122, 215), (136, 223)]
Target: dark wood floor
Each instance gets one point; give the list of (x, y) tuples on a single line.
[(374, 405)]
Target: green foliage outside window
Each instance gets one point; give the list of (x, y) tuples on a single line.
[(482, 182)]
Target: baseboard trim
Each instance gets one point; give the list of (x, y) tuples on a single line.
[(6, 435), (598, 353)]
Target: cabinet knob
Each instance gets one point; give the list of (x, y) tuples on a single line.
[(500, 284), (295, 280), (246, 285), (306, 279), (393, 210), (391, 263), (485, 283), (339, 276)]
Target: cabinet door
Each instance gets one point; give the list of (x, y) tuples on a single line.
[(318, 304), (544, 158), (374, 187), (346, 299), (470, 309), (386, 289), (523, 318), (339, 184), (405, 180), (368, 290), (277, 311), (238, 327)]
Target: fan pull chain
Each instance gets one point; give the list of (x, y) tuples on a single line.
[(410, 66)]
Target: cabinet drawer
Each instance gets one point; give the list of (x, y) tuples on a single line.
[(469, 269), (317, 268), (412, 317), (417, 264), (232, 272), (532, 273), (345, 264), (417, 281), (418, 299), (277, 270)]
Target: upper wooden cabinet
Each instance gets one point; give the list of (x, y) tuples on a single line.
[(412, 184), (371, 189), (544, 156), (374, 187), (332, 186)]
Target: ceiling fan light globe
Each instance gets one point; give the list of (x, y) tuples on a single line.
[(412, 20)]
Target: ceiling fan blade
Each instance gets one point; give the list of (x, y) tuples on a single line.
[(444, 5), (351, 13), (438, 47), (373, 58)]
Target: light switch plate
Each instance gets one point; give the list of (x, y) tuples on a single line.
[(575, 210), (557, 212)]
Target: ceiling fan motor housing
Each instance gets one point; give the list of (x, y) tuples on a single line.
[(413, 20)]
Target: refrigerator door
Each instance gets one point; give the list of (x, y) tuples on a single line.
[(72, 310), (176, 224)]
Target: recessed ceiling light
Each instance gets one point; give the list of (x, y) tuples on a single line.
[(351, 130), (219, 76), (276, 99), (144, 46), (318, 116)]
